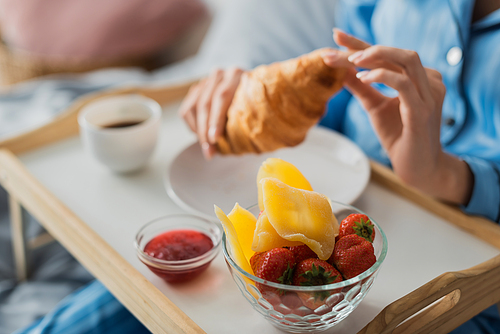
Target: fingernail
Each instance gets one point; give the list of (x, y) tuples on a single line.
[(205, 149), (355, 56), (361, 74), (211, 134)]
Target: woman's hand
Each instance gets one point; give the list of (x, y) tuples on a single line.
[(408, 126), (205, 107)]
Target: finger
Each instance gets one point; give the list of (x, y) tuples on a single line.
[(391, 58), (432, 73), (204, 105), (187, 110), (408, 94), (349, 41), (359, 57), (223, 96), (190, 119), (438, 89), (384, 115), (337, 58), (208, 150), (368, 96)]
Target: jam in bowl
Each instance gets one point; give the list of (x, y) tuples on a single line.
[(178, 248)]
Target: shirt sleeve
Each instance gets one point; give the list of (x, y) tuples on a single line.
[(485, 198)]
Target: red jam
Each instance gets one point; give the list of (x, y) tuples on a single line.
[(179, 245)]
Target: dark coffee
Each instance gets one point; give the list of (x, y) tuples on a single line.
[(122, 124)]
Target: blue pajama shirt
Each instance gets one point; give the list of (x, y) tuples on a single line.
[(468, 57), (466, 54)]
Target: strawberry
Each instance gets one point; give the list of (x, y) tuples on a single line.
[(275, 265), (358, 224), (291, 304), (302, 252), (311, 272), (352, 255), (255, 260)]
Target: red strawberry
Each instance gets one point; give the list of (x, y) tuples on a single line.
[(275, 265), (352, 255), (292, 304), (358, 224), (302, 253), (255, 260), (311, 272)]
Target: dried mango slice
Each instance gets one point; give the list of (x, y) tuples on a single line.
[(244, 223), (300, 215), (283, 171), (232, 239), (266, 237)]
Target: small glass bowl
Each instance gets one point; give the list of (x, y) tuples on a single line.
[(284, 305), (182, 270)]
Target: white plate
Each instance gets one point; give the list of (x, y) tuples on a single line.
[(332, 163)]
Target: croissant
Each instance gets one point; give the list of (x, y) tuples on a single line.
[(275, 105)]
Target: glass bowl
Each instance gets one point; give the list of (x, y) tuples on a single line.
[(283, 305), (178, 270)]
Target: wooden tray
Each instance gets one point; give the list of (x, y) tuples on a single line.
[(438, 306)]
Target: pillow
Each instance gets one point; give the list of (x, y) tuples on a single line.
[(95, 29)]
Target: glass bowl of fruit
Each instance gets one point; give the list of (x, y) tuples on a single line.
[(300, 293), (178, 248), (303, 261)]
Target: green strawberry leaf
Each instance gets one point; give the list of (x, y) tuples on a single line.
[(317, 276), (321, 295), (364, 229), (287, 276)]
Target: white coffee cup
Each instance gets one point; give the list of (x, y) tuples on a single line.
[(121, 131)]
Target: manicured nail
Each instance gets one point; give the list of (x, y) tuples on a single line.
[(205, 149), (355, 56), (361, 74)]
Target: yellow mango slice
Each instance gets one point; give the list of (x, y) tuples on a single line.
[(300, 215), (232, 240), (244, 223), (283, 171), (266, 237)]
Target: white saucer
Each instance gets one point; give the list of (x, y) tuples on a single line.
[(332, 163)]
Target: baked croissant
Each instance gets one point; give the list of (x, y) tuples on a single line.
[(275, 105)]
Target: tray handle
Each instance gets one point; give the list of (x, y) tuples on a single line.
[(442, 304)]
